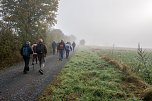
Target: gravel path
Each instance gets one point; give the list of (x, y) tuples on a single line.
[(16, 86)]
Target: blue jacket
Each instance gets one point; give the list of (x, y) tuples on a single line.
[(29, 50)]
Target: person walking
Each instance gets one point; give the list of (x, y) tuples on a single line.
[(41, 51), (61, 47), (54, 45), (73, 45), (68, 48), (25, 52)]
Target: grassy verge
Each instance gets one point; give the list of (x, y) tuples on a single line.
[(86, 77), (129, 57)]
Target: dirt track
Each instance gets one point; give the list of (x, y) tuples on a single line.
[(16, 86)]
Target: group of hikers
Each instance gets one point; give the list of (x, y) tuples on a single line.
[(61, 47), (39, 51)]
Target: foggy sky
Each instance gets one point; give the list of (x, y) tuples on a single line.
[(124, 23)]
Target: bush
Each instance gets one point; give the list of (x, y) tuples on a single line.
[(9, 48)]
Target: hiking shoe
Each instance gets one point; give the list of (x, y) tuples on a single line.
[(27, 69), (25, 72), (41, 71), (60, 59)]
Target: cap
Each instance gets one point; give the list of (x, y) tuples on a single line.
[(40, 40)]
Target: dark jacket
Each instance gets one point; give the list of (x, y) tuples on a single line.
[(29, 50), (41, 48), (54, 44), (61, 46), (73, 44)]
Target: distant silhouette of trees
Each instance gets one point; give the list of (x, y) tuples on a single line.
[(57, 35)]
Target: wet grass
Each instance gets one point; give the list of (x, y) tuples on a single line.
[(130, 57), (87, 77)]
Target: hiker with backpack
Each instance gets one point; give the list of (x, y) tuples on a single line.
[(41, 51), (34, 53), (54, 45), (60, 48), (25, 52), (68, 48), (73, 45)]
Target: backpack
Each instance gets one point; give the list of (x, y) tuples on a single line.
[(25, 51), (40, 49), (61, 46), (67, 47)]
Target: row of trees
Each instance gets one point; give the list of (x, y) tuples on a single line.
[(57, 35), (22, 20), (29, 19)]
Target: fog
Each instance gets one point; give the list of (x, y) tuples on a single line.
[(124, 23)]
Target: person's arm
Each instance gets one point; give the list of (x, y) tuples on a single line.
[(64, 46), (31, 51), (71, 48), (45, 49), (21, 51), (55, 45)]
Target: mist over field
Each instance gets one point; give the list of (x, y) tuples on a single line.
[(124, 23), (113, 61)]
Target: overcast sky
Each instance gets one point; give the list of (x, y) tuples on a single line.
[(107, 22)]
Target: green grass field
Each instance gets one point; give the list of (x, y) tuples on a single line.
[(88, 77), (129, 57)]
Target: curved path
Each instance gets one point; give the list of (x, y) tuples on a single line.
[(16, 86)]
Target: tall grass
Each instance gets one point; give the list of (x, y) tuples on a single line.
[(138, 59)]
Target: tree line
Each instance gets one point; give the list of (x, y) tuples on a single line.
[(22, 20)]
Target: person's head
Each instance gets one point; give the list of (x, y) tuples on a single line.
[(62, 41), (27, 43), (40, 40)]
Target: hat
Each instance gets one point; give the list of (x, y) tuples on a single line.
[(28, 42), (40, 40)]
